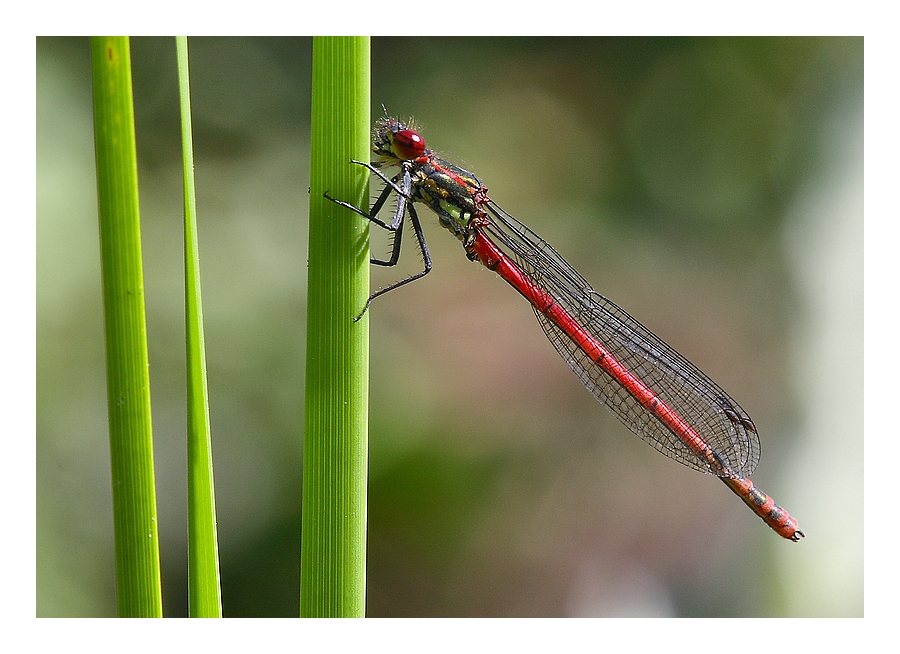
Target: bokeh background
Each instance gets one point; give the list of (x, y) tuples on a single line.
[(713, 187)]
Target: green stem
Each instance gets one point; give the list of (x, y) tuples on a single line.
[(127, 373), (335, 450), (204, 592)]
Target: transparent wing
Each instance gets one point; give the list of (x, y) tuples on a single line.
[(698, 400)]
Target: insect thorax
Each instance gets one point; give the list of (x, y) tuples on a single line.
[(451, 192)]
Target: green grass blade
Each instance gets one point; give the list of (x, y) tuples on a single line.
[(335, 450), (127, 373), (204, 592)]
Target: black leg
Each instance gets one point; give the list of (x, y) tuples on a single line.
[(395, 226), (426, 259)]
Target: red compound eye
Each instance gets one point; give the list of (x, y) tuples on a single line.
[(408, 145)]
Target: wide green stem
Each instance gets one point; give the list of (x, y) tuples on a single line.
[(127, 367), (335, 450)]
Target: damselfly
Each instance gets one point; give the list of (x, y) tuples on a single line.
[(656, 392)]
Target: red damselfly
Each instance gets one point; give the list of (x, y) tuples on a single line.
[(656, 392)]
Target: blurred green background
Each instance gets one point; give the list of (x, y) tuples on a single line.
[(712, 187)]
